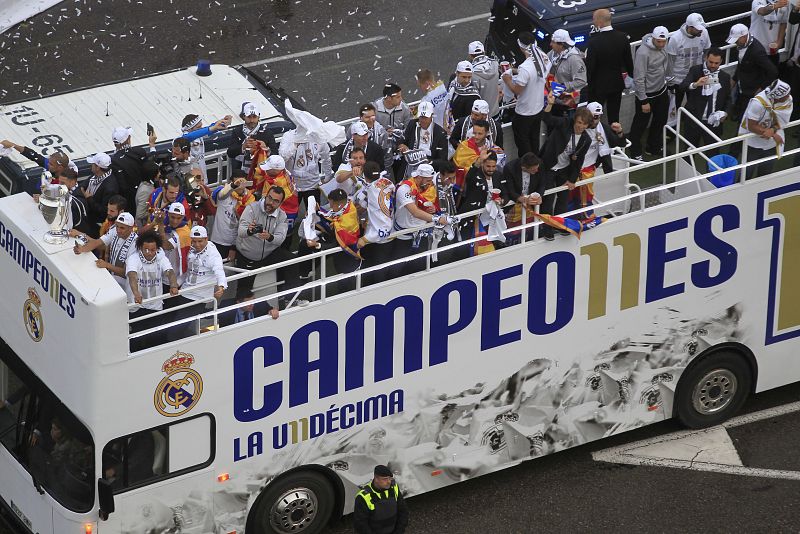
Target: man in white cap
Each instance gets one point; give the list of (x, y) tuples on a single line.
[(101, 187), (175, 237), (413, 210), (359, 137), (485, 76), (273, 173), (708, 95), (568, 70), (766, 115), (204, 266), (609, 64), (118, 243), (754, 70), (423, 139), (461, 94), (685, 49), (249, 136), (768, 21), (651, 76), (480, 112), (127, 162), (369, 116), (527, 83)]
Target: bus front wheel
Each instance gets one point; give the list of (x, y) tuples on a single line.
[(300, 503), (713, 390)]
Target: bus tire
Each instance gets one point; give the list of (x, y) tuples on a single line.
[(303, 502), (713, 390)]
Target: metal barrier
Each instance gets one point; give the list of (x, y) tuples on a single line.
[(214, 313)]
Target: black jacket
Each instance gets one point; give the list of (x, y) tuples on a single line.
[(476, 190), (458, 133), (755, 71), (80, 212), (438, 143), (696, 103), (374, 153), (238, 138), (388, 516), (561, 132), (127, 165), (608, 55), (614, 140), (511, 182), (98, 203)]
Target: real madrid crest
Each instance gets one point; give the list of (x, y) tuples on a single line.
[(32, 315), (180, 390)]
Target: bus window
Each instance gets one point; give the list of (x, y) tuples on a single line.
[(158, 453), (44, 436)]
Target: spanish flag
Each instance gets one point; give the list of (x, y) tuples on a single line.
[(573, 226), (284, 180), (346, 228), (421, 197)]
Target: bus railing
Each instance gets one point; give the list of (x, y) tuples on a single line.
[(322, 283)]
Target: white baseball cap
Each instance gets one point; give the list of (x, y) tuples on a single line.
[(480, 106), (464, 66), (425, 109), (695, 20), (595, 108), (273, 163), (562, 36), (177, 208), (125, 218), (425, 170), (121, 134), (101, 159), (475, 48), (359, 128), (660, 32), (737, 30), (249, 108), (199, 231)]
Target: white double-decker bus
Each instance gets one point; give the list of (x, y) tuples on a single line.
[(681, 308)]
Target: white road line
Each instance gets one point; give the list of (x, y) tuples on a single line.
[(482, 16), (321, 50), (708, 450)]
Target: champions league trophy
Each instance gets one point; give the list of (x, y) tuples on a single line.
[(54, 205)]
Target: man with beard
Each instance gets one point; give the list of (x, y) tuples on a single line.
[(368, 115), (116, 205), (246, 136), (485, 76), (423, 140), (359, 137), (480, 112), (708, 94), (101, 187), (462, 93), (685, 50), (478, 185), (117, 244)]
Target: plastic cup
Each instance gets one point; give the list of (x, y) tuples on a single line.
[(504, 66), (773, 49), (495, 194)]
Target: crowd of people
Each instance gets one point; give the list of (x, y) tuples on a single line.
[(158, 227)]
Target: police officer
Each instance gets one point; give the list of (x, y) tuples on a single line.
[(380, 508)]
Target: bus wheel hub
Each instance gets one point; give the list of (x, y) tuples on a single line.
[(294, 511), (714, 391)]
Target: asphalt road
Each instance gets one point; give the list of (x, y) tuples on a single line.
[(86, 42)]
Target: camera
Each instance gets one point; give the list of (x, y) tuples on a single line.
[(257, 229), (713, 78)]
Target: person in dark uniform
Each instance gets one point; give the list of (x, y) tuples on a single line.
[(379, 507)]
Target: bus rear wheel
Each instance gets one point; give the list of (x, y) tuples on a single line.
[(300, 503), (713, 390)]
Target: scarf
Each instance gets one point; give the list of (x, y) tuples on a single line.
[(114, 253), (96, 181), (711, 90), (454, 91)]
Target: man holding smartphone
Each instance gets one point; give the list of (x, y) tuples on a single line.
[(248, 136), (708, 94)]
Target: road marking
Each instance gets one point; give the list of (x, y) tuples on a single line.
[(482, 16), (315, 51), (708, 450)]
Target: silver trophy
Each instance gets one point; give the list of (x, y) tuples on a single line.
[(54, 205)]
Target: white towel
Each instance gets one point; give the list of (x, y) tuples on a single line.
[(494, 220), (311, 219)]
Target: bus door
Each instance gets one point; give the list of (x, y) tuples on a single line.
[(163, 479)]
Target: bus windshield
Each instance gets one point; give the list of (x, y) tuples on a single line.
[(44, 436)]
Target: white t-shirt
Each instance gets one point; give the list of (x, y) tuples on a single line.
[(151, 278), (764, 28), (204, 267), (438, 97), (118, 251), (531, 100), (563, 158), (403, 219), (349, 186), (376, 198), (757, 112), (175, 256), (226, 221)]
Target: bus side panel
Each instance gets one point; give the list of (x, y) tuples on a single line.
[(512, 355)]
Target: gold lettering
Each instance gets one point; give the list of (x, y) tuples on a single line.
[(598, 278), (788, 312), (631, 266)]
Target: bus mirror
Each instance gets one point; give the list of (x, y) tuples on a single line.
[(106, 497)]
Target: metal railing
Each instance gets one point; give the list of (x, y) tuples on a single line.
[(214, 313)]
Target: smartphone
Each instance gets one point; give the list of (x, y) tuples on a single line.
[(149, 129)]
